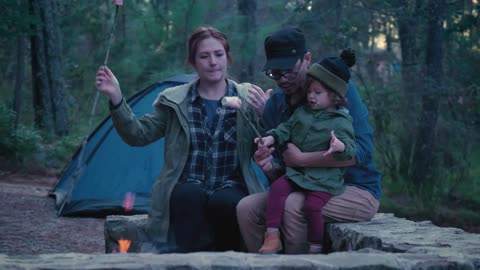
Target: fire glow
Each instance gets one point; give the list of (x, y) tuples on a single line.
[(128, 201), (123, 245)]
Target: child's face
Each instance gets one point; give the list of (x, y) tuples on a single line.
[(319, 97)]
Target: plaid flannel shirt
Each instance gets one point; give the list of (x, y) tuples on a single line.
[(212, 158)]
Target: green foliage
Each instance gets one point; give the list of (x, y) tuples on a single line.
[(25, 142), (61, 150), (6, 119), (15, 18), (18, 143)]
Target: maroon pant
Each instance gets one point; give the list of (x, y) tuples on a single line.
[(312, 207)]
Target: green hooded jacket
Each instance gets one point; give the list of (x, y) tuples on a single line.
[(310, 130), (169, 120)]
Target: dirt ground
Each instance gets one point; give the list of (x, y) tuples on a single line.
[(29, 224)]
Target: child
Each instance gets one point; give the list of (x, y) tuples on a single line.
[(322, 124)]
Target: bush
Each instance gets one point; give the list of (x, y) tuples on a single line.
[(6, 120), (18, 143), (26, 142)]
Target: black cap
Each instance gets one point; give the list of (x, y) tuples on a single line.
[(283, 49)]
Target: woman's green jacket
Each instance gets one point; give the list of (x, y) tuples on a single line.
[(169, 120)]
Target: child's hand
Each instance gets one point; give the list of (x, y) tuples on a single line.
[(335, 145), (267, 141), (263, 158)]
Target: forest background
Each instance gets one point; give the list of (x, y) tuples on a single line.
[(417, 72)]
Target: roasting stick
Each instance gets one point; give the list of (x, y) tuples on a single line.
[(252, 125), (236, 103), (78, 168)]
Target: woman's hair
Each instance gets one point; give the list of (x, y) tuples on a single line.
[(200, 34), (338, 100)]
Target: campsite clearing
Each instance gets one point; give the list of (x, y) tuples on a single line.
[(29, 223)]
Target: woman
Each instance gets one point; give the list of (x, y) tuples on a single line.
[(207, 167)]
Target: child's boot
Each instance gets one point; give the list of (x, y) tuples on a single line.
[(271, 243)]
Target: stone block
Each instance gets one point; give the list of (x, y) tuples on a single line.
[(131, 228), (388, 233), (384, 234), (354, 260)]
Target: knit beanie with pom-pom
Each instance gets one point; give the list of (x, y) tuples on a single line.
[(333, 71)]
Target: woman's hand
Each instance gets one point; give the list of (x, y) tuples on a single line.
[(108, 84), (335, 145), (257, 98)]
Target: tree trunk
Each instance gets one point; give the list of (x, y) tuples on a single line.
[(248, 26), (407, 28), (424, 152), (47, 70), (40, 86), (19, 78)]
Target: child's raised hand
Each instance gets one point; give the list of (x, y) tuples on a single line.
[(335, 145)]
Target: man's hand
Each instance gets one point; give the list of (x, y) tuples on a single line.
[(293, 156), (257, 98)]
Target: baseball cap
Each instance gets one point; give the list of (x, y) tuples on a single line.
[(283, 48)]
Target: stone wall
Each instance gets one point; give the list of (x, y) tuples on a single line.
[(355, 260), (385, 242)]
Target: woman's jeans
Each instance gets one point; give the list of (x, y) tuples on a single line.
[(203, 222)]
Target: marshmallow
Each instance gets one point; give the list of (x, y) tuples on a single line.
[(232, 102)]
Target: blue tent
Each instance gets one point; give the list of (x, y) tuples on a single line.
[(111, 169)]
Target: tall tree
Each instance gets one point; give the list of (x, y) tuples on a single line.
[(408, 26), (15, 22), (47, 69), (19, 78), (424, 152), (248, 25)]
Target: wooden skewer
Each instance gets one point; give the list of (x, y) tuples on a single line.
[(251, 125)]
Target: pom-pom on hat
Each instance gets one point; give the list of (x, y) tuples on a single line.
[(333, 71), (283, 49)]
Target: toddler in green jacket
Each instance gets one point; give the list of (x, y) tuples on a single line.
[(321, 124)]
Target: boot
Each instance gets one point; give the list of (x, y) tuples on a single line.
[(271, 243)]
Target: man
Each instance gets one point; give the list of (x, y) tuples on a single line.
[(287, 64)]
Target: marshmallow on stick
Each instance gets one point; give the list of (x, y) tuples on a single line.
[(232, 102), (236, 103)]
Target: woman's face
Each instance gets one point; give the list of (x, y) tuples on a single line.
[(211, 60)]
